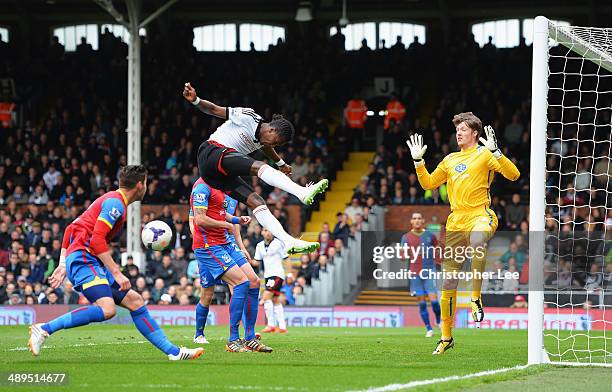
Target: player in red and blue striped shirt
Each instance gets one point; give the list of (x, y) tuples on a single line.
[(422, 245), (218, 258), (91, 269)]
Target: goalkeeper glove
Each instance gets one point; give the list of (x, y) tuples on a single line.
[(491, 141), (417, 149)]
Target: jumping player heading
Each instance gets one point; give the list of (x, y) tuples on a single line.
[(223, 158)]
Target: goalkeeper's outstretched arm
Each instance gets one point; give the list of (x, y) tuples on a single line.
[(417, 150), (498, 162), (505, 167)]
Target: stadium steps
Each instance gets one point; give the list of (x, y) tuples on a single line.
[(340, 193), (384, 297)]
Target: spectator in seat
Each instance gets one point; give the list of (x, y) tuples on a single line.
[(53, 298), (172, 292), (594, 279), (287, 289), (342, 229), (146, 296), (320, 266), (514, 253), (511, 283), (51, 177), (398, 196), (513, 131), (436, 196), (180, 262), (37, 271), (14, 264), (182, 234), (519, 302), (158, 290), (300, 168), (362, 191), (339, 246), (515, 213), (353, 209), (39, 196), (15, 299), (359, 219), (413, 196), (193, 272), (306, 269), (19, 196), (384, 198), (166, 271), (132, 273), (184, 300), (34, 237), (324, 229), (326, 243), (331, 254), (71, 297)]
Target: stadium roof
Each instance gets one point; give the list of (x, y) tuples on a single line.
[(70, 10)]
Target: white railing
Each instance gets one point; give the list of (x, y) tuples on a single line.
[(344, 272)]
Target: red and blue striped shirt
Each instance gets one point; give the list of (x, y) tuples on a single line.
[(211, 199), (99, 224)]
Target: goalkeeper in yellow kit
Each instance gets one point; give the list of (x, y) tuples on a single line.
[(468, 174)]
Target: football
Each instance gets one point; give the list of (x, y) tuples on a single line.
[(156, 235)]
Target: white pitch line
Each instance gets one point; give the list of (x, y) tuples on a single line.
[(418, 383), (25, 348)]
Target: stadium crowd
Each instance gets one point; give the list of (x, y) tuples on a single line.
[(62, 159)]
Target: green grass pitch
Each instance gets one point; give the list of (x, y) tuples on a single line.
[(111, 358)]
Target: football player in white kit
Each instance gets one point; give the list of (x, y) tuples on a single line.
[(224, 157), (272, 252)]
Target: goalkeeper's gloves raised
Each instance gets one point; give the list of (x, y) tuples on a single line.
[(491, 141), (417, 149)]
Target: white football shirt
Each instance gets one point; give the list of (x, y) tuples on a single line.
[(272, 256), (238, 131)]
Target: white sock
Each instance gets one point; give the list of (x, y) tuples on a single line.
[(279, 313), (269, 308), (278, 179), (267, 220)]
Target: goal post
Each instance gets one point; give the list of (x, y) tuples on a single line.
[(570, 216), (537, 200)]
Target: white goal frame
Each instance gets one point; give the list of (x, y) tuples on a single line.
[(543, 30)]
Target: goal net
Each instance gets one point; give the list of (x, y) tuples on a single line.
[(570, 314)]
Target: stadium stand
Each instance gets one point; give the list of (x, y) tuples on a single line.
[(70, 145)]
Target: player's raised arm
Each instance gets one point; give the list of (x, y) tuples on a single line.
[(417, 150), (206, 106), (500, 163)]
